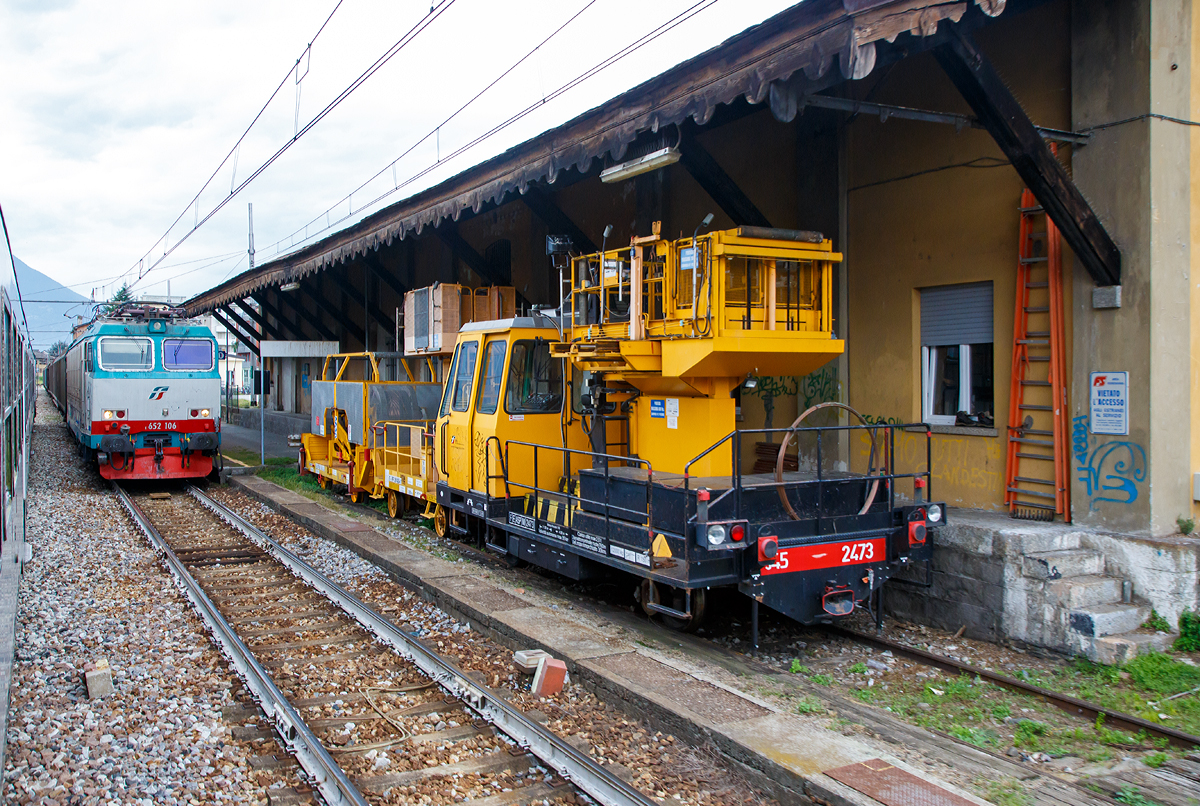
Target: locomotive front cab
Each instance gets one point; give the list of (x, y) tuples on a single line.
[(504, 394), (150, 391)]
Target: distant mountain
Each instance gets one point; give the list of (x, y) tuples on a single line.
[(48, 321)]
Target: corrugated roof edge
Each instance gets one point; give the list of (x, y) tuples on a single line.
[(806, 37)]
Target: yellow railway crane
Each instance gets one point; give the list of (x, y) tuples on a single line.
[(603, 435)]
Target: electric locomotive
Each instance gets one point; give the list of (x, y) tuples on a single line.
[(141, 393)]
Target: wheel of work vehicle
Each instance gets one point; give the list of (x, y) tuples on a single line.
[(652, 592), (357, 496), (393, 502), (323, 481), (441, 521)]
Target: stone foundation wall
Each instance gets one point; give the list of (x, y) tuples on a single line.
[(1050, 585)]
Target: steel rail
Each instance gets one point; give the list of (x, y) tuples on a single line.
[(1072, 705), (564, 759), (328, 779)]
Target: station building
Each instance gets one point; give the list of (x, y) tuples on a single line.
[(907, 131)]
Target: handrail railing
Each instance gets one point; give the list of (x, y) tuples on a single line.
[(572, 498), (887, 474)]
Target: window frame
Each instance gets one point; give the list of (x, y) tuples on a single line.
[(532, 344), (469, 390), (212, 360), (488, 350), (929, 383), (448, 385), (100, 353)]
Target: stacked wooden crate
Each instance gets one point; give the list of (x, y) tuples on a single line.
[(434, 315)]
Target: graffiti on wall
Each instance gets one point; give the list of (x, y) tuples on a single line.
[(820, 386), (1109, 471), (964, 469)]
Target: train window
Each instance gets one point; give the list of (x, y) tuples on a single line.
[(448, 387), (187, 354), (464, 376), (125, 354), (493, 374), (534, 379)]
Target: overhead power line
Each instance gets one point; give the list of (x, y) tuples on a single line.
[(434, 12), (604, 64), (13, 262)]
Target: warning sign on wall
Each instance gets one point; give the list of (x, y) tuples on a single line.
[(1110, 403)]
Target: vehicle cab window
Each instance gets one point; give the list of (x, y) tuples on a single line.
[(126, 354), (464, 376), (534, 379), (493, 374)]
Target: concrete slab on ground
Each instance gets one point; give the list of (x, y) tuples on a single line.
[(785, 753)]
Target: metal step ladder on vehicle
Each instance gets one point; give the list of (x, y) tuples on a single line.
[(1037, 485)]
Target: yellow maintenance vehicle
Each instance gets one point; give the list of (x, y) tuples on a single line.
[(362, 429), (603, 435)]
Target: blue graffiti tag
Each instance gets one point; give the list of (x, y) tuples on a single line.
[(1111, 472)]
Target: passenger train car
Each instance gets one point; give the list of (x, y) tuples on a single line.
[(18, 396), (141, 392)]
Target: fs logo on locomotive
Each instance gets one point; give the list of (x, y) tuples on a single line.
[(158, 392)]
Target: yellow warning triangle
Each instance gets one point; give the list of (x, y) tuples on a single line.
[(661, 549)]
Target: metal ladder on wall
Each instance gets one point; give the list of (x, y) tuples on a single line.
[(1037, 485)]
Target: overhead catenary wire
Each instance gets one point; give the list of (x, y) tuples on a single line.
[(12, 261), (434, 13), (103, 282), (235, 149), (637, 44)]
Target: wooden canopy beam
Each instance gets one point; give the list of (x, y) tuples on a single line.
[(372, 307), (709, 174), (1000, 113), (373, 263), (313, 319), (540, 203), (288, 326), (264, 323), (220, 315), (465, 252), (350, 327)]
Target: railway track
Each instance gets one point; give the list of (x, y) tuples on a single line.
[(1065, 702), (361, 706)]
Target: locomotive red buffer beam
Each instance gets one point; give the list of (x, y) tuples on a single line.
[(146, 464)]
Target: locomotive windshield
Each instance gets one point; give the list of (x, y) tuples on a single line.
[(126, 354), (187, 354)]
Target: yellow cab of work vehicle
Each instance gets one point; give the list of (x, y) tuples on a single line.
[(502, 413), (362, 428)]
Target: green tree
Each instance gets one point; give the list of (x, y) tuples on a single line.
[(118, 299), (58, 348)]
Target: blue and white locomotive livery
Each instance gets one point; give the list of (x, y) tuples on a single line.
[(141, 392)]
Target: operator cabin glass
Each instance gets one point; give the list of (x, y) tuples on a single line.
[(464, 376), (534, 379), (126, 354), (187, 354), (493, 374)]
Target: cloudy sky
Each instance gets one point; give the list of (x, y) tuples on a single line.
[(116, 115)]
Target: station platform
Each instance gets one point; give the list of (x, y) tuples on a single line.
[(686, 685), (248, 439)]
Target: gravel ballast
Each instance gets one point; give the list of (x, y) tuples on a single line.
[(95, 590)]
